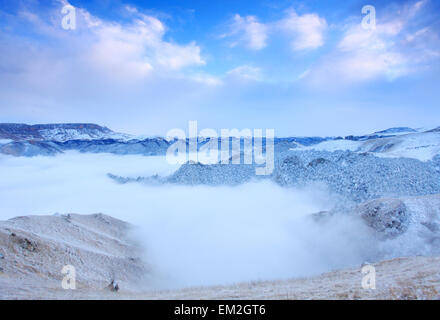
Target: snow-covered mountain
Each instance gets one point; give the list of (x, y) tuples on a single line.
[(50, 139), (57, 132)]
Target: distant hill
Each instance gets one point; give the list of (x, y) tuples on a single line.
[(50, 139), (56, 132)]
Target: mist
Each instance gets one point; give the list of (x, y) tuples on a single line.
[(192, 235)]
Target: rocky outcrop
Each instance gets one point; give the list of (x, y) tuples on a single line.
[(388, 217)]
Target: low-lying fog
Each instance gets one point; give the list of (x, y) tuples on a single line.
[(193, 235)]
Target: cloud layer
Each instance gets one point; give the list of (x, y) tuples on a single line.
[(200, 235), (192, 235)]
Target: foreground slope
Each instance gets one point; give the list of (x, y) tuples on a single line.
[(34, 250), (400, 278)]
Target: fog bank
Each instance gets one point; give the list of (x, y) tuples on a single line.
[(193, 235)]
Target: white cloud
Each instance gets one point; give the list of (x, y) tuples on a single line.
[(414, 36), (246, 72), (207, 79), (307, 30), (131, 9), (304, 74), (133, 49), (243, 73), (363, 55), (250, 31), (367, 54), (413, 10), (139, 47)]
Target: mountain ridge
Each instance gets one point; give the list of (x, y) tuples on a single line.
[(55, 131), (19, 139), (22, 131)]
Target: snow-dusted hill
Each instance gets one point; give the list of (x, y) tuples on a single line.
[(356, 176), (34, 250), (417, 145)]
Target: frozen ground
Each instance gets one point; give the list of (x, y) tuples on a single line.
[(400, 278)]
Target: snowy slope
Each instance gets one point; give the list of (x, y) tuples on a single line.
[(36, 248), (5, 141), (397, 131), (422, 146), (418, 145), (335, 145)]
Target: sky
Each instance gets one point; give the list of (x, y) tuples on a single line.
[(145, 67)]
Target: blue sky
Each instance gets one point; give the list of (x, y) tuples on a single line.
[(300, 67)]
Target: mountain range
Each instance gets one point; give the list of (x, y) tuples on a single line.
[(51, 139)]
